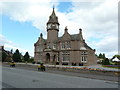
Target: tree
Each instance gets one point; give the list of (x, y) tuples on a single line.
[(31, 59), (16, 56), (102, 56), (26, 56), (105, 61)]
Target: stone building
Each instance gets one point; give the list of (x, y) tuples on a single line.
[(5, 55), (65, 50)]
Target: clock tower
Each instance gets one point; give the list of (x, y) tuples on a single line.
[(52, 27)]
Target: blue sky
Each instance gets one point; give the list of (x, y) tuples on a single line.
[(23, 34), (22, 23), (64, 7)]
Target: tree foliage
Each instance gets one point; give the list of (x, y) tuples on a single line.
[(102, 56), (26, 56), (105, 61), (31, 59), (17, 56)]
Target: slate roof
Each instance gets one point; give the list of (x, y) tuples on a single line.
[(59, 38), (53, 18), (44, 40), (87, 46), (75, 37)]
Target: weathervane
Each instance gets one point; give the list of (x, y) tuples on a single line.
[(53, 6)]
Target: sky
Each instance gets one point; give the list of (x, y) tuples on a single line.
[(22, 22)]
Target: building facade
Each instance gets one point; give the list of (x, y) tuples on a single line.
[(5, 56), (65, 50)]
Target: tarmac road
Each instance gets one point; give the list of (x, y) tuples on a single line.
[(21, 78), (78, 74)]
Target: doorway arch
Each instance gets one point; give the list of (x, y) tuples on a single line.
[(47, 58)]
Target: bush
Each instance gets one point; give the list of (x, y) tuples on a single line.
[(38, 62), (33, 62), (105, 61), (117, 63)]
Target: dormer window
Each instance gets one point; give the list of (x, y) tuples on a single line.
[(63, 45), (68, 45)]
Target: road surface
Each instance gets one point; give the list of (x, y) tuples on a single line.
[(20, 78)]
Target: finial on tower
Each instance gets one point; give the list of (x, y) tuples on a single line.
[(80, 29), (53, 7), (41, 35), (66, 28)]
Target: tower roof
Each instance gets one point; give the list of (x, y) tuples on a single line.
[(53, 18)]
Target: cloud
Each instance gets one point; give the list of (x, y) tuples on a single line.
[(8, 45), (108, 44), (99, 20)]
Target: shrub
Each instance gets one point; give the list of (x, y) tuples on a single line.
[(38, 62), (105, 61), (33, 62)]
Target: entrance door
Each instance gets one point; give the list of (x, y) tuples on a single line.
[(47, 58)]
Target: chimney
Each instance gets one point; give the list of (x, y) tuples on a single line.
[(41, 35), (66, 30), (83, 40), (80, 31)]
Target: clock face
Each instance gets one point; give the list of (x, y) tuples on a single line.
[(57, 27), (49, 26), (53, 25)]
